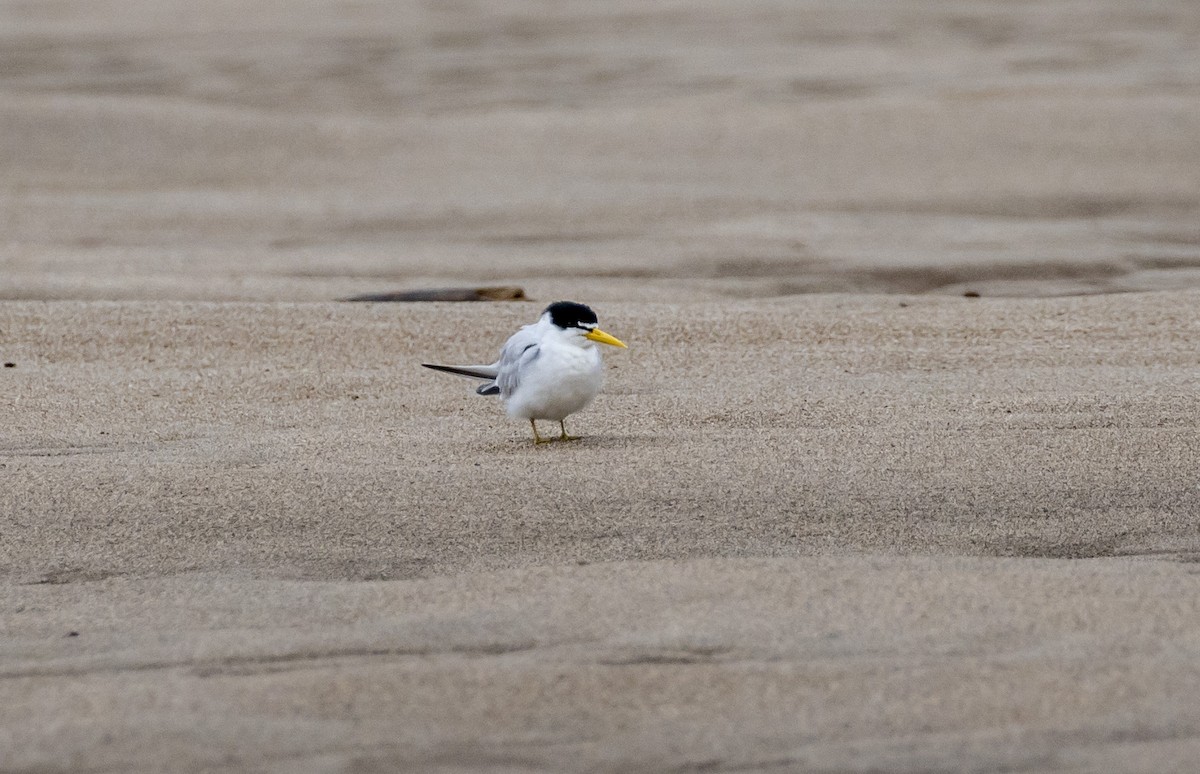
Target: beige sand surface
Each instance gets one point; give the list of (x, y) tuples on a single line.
[(830, 515), (845, 664), (311, 149), (285, 546)]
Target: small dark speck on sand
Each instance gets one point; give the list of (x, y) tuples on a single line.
[(72, 634), (971, 294), (10, 365)]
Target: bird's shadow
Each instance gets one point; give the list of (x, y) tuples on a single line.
[(583, 442)]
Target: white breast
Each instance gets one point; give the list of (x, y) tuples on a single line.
[(560, 381)]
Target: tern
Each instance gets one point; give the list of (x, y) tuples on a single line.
[(547, 370)]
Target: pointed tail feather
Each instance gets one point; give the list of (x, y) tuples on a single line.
[(488, 372)]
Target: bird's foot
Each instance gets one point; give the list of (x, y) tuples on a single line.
[(564, 436), (537, 439)]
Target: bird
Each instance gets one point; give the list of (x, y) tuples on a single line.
[(547, 370)]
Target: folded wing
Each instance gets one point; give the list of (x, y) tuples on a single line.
[(503, 376), (519, 351)]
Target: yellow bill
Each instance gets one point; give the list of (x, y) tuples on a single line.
[(598, 335)]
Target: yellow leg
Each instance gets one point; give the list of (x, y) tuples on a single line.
[(537, 438), (564, 436)]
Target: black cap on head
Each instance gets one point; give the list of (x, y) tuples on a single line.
[(568, 314)]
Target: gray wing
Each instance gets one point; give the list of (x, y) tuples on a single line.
[(519, 351)]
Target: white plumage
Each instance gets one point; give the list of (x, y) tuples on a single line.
[(548, 370)]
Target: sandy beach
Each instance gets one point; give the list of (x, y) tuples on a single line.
[(900, 471)]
